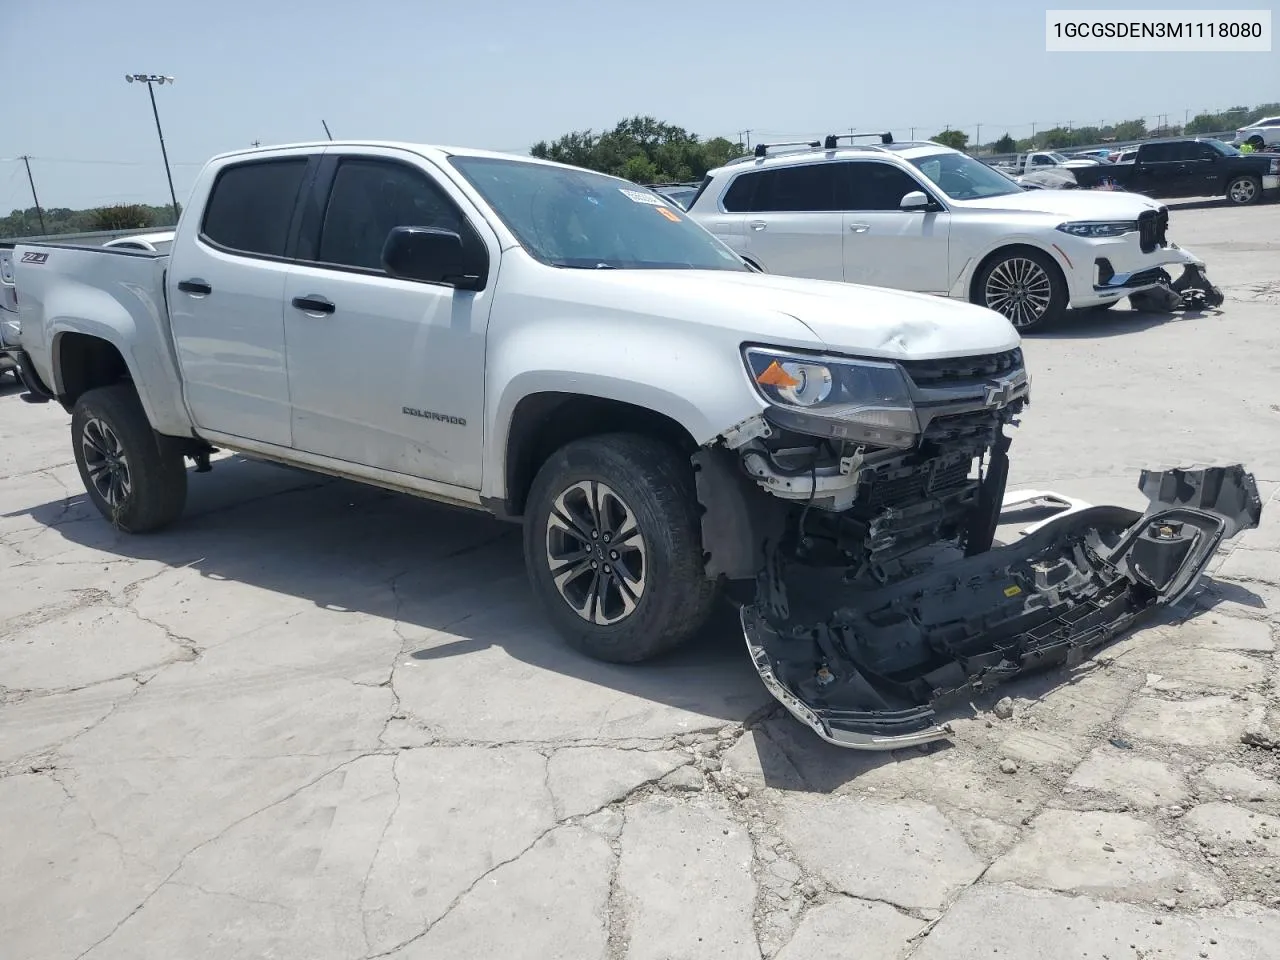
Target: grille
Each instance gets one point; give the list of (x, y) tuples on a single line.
[(930, 479), (1153, 225), (966, 429), (959, 371), (1152, 275)]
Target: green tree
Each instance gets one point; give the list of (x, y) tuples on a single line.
[(955, 139), (1131, 129), (121, 216), (1005, 144), (641, 149)]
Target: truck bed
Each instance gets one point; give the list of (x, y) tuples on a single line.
[(115, 294)]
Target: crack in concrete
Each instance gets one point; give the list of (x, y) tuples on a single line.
[(377, 852), (638, 790), (204, 843), (617, 929), (59, 745)]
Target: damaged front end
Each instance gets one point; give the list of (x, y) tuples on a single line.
[(868, 665), (855, 519)]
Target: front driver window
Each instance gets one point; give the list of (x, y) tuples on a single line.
[(369, 199)]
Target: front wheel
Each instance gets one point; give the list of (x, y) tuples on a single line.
[(1024, 285), (612, 541), (134, 480), (1244, 190)]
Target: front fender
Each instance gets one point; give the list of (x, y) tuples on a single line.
[(691, 378), (963, 281)]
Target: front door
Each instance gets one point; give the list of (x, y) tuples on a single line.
[(884, 245), (384, 372), (225, 289)]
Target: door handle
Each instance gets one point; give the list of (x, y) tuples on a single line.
[(314, 304), (196, 287), (859, 227), (757, 224)]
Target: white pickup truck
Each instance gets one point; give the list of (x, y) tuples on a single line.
[(569, 351)]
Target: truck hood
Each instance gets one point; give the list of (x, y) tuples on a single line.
[(847, 318), (1077, 204)]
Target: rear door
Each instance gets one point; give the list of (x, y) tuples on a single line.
[(1161, 171), (226, 298), (390, 372), (792, 224), (884, 245)]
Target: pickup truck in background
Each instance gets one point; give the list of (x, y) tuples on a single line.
[(1043, 160), (569, 351), (1199, 167)]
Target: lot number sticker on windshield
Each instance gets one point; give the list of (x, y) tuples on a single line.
[(668, 214), (636, 196)]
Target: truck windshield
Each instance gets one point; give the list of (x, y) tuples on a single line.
[(576, 218), (963, 178), (1223, 148)]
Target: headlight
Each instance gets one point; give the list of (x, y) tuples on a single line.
[(1099, 228), (859, 400)]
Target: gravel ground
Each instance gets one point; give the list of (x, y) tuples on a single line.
[(316, 720)]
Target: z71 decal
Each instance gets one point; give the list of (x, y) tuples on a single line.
[(30, 257)]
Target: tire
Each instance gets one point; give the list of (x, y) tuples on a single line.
[(1256, 142), (1024, 285), (642, 484), (147, 488), (1244, 190)]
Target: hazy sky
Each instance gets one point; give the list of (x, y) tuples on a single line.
[(506, 74)]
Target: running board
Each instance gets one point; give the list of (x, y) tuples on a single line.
[(868, 667)]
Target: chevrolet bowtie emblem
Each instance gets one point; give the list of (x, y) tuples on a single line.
[(1000, 392)]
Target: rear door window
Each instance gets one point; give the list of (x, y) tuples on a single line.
[(877, 186), (1158, 153), (251, 206), (807, 188)]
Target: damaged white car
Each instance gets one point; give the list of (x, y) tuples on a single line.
[(569, 351), (923, 217)]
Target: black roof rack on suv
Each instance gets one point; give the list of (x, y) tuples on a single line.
[(833, 140), (762, 149)]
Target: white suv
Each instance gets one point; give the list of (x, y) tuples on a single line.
[(922, 217)]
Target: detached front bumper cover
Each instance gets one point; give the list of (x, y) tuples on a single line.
[(868, 667)]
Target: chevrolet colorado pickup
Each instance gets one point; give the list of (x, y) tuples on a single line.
[(1201, 167), (570, 351)]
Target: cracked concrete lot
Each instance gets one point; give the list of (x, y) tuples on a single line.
[(316, 720)]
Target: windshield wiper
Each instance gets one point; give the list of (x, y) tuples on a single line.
[(584, 264)]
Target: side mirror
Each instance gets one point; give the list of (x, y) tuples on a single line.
[(433, 255), (915, 200)]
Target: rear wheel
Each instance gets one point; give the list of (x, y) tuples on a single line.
[(134, 479), (1023, 284), (1243, 190), (613, 546)]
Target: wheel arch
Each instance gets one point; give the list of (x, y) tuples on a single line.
[(1006, 248), (83, 362), (543, 422)]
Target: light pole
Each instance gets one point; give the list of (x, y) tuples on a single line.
[(149, 79)]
